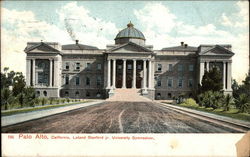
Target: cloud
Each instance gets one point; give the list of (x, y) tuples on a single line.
[(79, 24), (238, 19), (16, 32), (153, 17)]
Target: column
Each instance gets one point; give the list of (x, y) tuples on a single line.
[(208, 66), (124, 74), (153, 74), (134, 73), (144, 74), (28, 72), (229, 76), (114, 72), (224, 76), (50, 73), (149, 74), (34, 72), (201, 71), (108, 81)]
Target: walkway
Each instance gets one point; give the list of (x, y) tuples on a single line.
[(121, 117), (23, 117)]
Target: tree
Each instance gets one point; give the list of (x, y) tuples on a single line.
[(18, 83), (6, 97), (212, 80)]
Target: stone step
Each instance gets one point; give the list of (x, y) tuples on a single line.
[(121, 94)]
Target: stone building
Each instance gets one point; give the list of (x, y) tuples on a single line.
[(82, 71)]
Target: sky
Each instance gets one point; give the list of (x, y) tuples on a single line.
[(96, 23)]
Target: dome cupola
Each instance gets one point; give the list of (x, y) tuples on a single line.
[(130, 34)]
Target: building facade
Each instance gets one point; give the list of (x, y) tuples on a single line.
[(82, 71)]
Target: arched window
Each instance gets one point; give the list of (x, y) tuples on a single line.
[(37, 93), (158, 95), (77, 94), (87, 94), (98, 94), (45, 93), (66, 93), (169, 95)]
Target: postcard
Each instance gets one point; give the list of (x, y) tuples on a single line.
[(125, 78)]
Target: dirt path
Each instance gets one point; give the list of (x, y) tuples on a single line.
[(118, 117)]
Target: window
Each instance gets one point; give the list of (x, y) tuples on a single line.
[(98, 80), (37, 93), (180, 82), (129, 66), (159, 67), (77, 80), (77, 94), (170, 67), (159, 82), (87, 81), (66, 93), (87, 94), (139, 67), (88, 66), (169, 95), (99, 66), (67, 79), (191, 67), (98, 94), (158, 95), (170, 82), (45, 93), (190, 83), (67, 66), (180, 67), (119, 66), (77, 66)]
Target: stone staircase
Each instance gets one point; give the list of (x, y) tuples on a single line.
[(133, 95)]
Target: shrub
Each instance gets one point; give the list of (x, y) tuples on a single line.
[(211, 99), (58, 101), (243, 103), (63, 100), (51, 100), (190, 102), (44, 101), (68, 100)]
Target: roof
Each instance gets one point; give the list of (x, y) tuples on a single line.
[(41, 46), (218, 47), (132, 44), (181, 48), (130, 32), (78, 47)]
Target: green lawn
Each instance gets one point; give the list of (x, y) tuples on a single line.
[(24, 110), (232, 113)]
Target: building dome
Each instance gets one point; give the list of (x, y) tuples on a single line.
[(130, 34)]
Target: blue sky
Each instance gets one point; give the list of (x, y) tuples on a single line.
[(164, 24)]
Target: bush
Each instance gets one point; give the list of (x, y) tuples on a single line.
[(68, 100), (243, 103), (63, 100), (58, 101), (44, 101), (190, 102), (211, 99), (51, 100)]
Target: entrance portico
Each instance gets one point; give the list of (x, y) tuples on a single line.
[(129, 73)]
